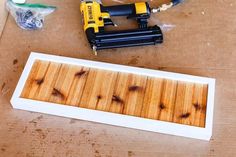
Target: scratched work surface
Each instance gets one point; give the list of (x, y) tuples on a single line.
[(202, 43), (123, 93)]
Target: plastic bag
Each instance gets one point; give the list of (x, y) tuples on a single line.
[(19, 1), (29, 16)]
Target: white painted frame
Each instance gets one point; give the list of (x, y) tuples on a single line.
[(113, 118)]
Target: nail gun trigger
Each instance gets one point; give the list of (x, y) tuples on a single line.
[(108, 21)]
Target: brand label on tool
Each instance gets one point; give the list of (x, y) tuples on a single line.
[(90, 12)]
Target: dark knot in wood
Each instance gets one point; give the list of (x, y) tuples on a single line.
[(134, 88), (117, 99), (99, 97), (185, 115), (57, 93), (39, 81), (197, 106), (162, 106), (80, 73)]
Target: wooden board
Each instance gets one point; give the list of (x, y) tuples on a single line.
[(90, 85), (155, 98)]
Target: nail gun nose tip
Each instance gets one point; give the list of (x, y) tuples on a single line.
[(95, 50), (155, 10)]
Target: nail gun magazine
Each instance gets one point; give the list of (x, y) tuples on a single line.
[(97, 15)]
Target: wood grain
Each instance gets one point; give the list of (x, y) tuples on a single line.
[(168, 98), (30, 80), (122, 93), (119, 93), (46, 88), (38, 79), (152, 99), (98, 90), (135, 93), (77, 86)]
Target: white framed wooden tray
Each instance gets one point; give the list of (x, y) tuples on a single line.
[(138, 98)]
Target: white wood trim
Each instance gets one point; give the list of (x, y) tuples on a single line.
[(112, 118)]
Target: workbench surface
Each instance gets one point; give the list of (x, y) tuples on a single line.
[(203, 43)]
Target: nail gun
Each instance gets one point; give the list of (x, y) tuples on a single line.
[(96, 17)]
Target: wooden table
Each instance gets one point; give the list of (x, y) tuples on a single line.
[(202, 43)]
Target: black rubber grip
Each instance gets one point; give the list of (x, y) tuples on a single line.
[(119, 10)]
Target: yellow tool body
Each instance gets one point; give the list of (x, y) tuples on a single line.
[(92, 15)]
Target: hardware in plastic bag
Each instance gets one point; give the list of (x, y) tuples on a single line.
[(29, 16)]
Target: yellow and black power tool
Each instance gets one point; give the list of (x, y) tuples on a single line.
[(96, 17)]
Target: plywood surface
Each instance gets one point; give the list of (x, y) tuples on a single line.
[(123, 93), (3, 15), (202, 43)]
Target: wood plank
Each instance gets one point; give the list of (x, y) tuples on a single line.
[(77, 86), (46, 89), (203, 106), (197, 106), (63, 84), (105, 89), (98, 90), (38, 79), (31, 79), (187, 106), (168, 100), (119, 93), (87, 92), (179, 103), (152, 99), (135, 95)]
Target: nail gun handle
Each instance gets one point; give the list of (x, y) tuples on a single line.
[(119, 10), (127, 9)]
